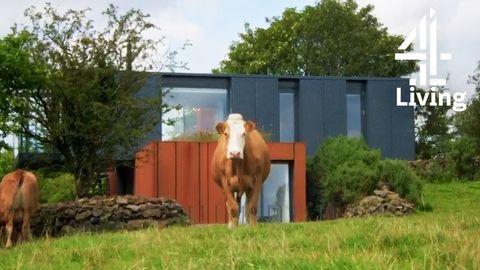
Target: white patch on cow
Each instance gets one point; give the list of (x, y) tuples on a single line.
[(236, 141)]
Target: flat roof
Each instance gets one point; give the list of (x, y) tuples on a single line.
[(291, 77)]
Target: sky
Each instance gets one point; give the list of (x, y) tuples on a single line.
[(210, 26)]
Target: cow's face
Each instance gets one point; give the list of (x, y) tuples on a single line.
[(235, 131)]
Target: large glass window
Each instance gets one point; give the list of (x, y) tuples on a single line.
[(201, 109), (274, 201), (354, 115), (287, 117)]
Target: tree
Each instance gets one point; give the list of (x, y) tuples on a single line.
[(467, 122), (80, 93), (432, 128), (332, 38)]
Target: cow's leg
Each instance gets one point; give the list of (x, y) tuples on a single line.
[(25, 233), (231, 204), (9, 228), (252, 200)]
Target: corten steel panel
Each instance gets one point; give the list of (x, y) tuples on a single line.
[(112, 182), (188, 178), (166, 170), (146, 177), (299, 183), (181, 171), (217, 212), (281, 151), (204, 182)]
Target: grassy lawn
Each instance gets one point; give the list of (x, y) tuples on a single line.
[(447, 238)]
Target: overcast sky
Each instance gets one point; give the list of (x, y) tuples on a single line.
[(211, 25)]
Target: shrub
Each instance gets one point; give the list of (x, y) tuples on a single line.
[(463, 158), (433, 170), (198, 136), (343, 170), (401, 179), (56, 186), (7, 162)]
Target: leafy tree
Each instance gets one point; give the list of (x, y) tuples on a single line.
[(333, 38), (432, 128), (7, 162), (74, 88), (468, 121)]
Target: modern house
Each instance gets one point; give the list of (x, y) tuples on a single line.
[(287, 109)]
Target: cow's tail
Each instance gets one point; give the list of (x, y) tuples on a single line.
[(18, 196)]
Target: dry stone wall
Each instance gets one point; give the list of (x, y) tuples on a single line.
[(107, 213)]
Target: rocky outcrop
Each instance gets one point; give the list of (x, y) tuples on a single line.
[(104, 213), (383, 202)]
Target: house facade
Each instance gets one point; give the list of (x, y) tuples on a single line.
[(289, 108)]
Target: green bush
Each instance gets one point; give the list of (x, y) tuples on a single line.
[(7, 162), (343, 170), (463, 158), (434, 170), (56, 186), (401, 179)]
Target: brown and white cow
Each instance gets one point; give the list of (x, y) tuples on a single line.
[(240, 164), (18, 201)]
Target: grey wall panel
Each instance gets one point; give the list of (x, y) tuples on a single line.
[(335, 108), (379, 99), (310, 113), (242, 97), (403, 126), (267, 107)]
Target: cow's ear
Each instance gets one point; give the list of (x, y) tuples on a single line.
[(249, 126), (220, 128)]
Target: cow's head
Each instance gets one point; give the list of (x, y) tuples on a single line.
[(235, 130)]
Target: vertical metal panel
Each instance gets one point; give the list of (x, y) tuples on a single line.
[(181, 170), (166, 170), (403, 126), (267, 116), (188, 178), (335, 108), (310, 113), (216, 199), (112, 177), (299, 183), (281, 151), (379, 100), (146, 177), (204, 182), (242, 97)]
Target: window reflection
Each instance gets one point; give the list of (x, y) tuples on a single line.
[(201, 109), (274, 201), (287, 117), (354, 115)]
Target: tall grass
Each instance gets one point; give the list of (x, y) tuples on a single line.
[(446, 238)]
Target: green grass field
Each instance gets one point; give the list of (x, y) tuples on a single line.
[(446, 238)]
